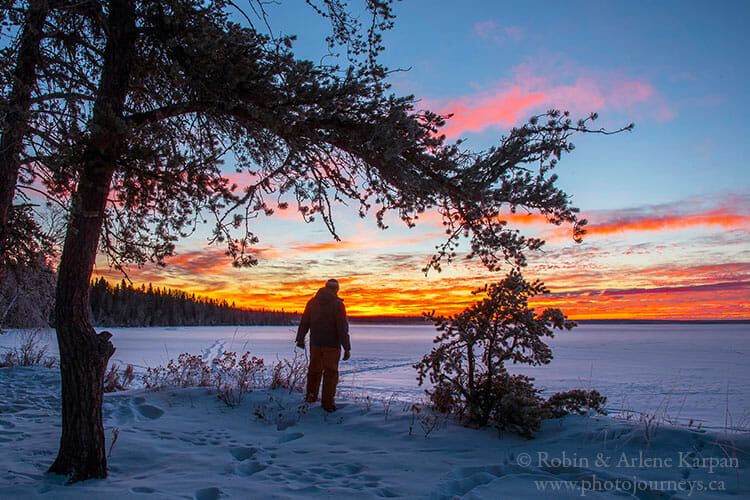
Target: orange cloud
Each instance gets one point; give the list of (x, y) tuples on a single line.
[(363, 243), (722, 217), (210, 260), (732, 215), (533, 219), (434, 218), (706, 302), (691, 273), (330, 245)]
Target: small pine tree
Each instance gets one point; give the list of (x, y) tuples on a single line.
[(467, 368)]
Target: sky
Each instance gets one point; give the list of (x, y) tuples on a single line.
[(668, 204)]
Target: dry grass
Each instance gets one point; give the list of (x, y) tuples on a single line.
[(230, 375), (114, 381), (289, 373), (31, 352)]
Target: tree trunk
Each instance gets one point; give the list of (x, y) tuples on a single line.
[(16, 118), (84, 353)]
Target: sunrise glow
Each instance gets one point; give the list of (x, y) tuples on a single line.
[(668, 209)]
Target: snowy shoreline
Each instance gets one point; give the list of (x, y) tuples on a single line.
[(185, 443)]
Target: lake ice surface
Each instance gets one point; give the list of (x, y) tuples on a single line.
[(676, 371)]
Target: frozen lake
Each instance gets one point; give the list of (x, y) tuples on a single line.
[(678, 371)]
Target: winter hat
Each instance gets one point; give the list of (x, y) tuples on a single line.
[(333, 284)]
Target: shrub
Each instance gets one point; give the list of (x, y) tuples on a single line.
[(155, 377), (113, 381), (234, 378), (576, 401), (289, 373), (443, 398), (231, 378), (31, 352), (189, 370), (250, 373), (518, 406), (467, 367), (428, 420)]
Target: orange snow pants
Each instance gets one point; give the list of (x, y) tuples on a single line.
[(324, 363)]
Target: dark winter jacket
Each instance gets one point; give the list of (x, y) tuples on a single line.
[(325, 318)]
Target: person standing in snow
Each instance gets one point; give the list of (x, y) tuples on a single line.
[(325, 318)]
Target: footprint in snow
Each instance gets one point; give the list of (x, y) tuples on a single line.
[(208, 494), (148, 411), (249, 467), (123, 415), (290, 437), (142, 489), (350, 469), (386, 493), (241, 453)]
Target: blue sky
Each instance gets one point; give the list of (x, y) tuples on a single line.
[(690, 134)]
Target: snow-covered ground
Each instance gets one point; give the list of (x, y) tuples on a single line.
[(186, 443)]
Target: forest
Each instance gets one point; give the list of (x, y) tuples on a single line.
[(124, 305), (121, 304)]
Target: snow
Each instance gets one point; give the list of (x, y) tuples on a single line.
[(186, 443)]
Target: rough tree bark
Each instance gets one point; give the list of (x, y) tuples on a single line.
[(18, 104), (84, 353)]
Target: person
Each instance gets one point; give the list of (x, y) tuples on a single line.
[(325, 318)]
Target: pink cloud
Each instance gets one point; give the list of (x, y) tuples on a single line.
[(532, 90), (475, 113), (484, 28), (489, 30), (663, 113), (627, 93)]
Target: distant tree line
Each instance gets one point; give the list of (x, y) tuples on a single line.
[(124, 305), (27, 300)]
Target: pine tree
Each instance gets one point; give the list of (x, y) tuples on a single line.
[(468, 366)]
